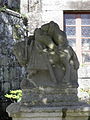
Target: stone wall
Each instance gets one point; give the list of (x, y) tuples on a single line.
[(43, 11), (10, 70), (33, 10)]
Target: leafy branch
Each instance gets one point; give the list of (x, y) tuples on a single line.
[(15, 95)]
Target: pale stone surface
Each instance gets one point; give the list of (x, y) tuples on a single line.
[(50, 10), (24, 6), (84, 82)]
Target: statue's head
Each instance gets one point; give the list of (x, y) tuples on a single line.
[(58, 36), (53, 31), (45, 27)]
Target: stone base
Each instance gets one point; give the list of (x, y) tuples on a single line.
[(18, 112), (50, 97)]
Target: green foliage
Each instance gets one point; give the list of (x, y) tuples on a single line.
[(17, 26), (15, 95), (2, 8), (16, 33)]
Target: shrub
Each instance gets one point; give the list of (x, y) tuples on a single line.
[(15, 95)]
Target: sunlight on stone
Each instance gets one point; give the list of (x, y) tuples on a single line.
[(51, 60), (51, 46), (41, 88), (52, 53), (62, 55), (44, 100), (66, 51), (44, 50), (63, 68)]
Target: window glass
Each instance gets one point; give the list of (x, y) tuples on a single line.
[(70, 31), (85, 31), (70, 19), (72, 43), (77, 28), (86, 44), (85, 57), (85, 19)]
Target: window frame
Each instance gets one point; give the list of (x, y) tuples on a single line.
[(78, 37)]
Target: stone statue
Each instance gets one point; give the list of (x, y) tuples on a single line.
[(49, 56), (58, 49), (49, 60), (50, 89)]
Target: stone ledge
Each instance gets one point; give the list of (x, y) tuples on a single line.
[(11, 12), (49, 113)]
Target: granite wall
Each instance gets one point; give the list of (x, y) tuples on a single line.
[(10, 70)]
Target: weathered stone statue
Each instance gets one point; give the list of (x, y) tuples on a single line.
[(50, 60), (50, 89)]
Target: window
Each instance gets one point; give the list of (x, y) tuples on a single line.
[(77, 28)]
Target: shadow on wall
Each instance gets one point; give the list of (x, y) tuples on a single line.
[(79, 5)]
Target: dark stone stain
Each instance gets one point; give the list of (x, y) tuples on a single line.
[(64, 113), (10, 70), (89, 118)]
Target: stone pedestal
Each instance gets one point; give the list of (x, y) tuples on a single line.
[(50, 97), (49, 104), (19, 112)]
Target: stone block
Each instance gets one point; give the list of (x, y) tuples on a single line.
[(49, 113)]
